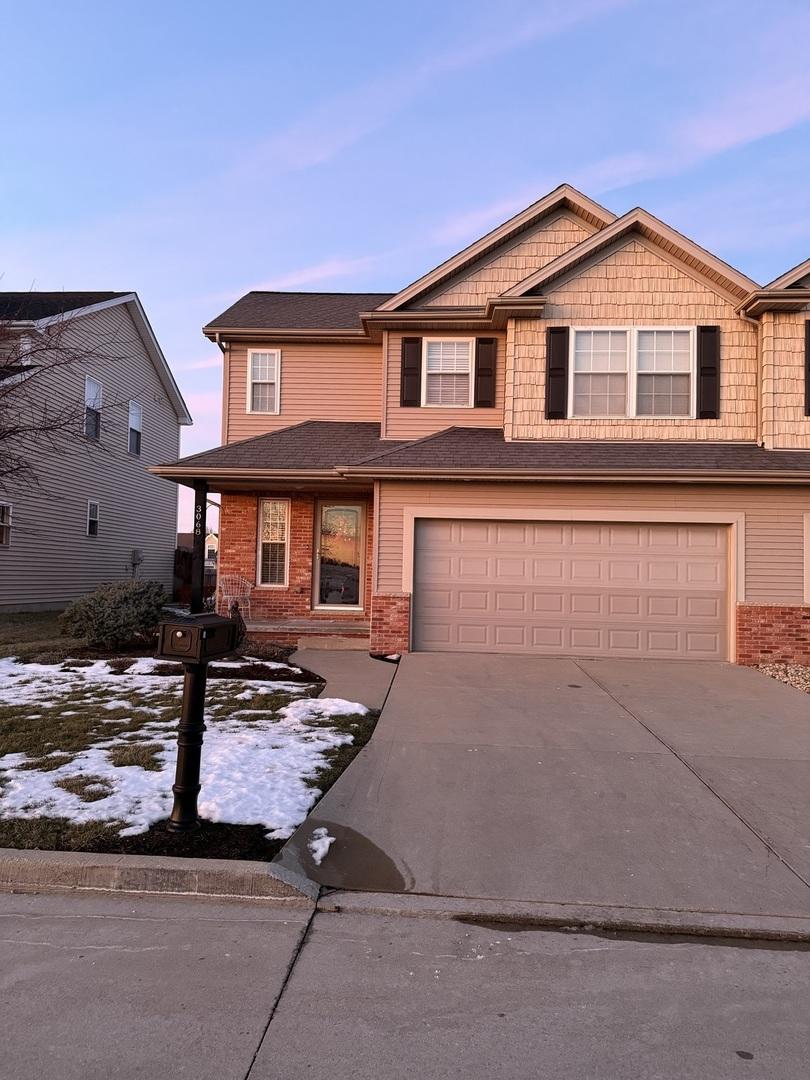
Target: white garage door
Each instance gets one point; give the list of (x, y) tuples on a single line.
[(571, 589)]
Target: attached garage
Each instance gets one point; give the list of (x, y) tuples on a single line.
[(619, 589)]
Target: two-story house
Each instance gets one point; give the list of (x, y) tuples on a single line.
[(582, 435), (88, 511)]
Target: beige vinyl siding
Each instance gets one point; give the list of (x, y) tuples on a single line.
[(773, 520), (318, 382), (530, 251), (784, 425), (633, 285), (51, 560), (415, 423)]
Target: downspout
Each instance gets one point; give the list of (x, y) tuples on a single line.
[(226, 357), (759, 380)]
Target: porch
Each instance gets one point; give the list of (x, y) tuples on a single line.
[(313, 633)]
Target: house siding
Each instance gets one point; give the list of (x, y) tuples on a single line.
[(513, 262), (51, 560), (633, 285), (318, 382), (774, 545), (784, 424), (415, 423)]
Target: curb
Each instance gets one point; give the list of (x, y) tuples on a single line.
[(24, 870), (586, 918)]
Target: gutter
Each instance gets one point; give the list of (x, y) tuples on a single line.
[(624, 476)]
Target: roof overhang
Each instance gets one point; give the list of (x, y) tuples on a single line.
[(794, 276), (282, 334), (660, 476), (494, 315), (761, 300)]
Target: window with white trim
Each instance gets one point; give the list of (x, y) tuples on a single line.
[(135, 428), (637, 372), (5, 525), (92, 408), (274, 516), (447, 372), (92, 517), (264, 377)]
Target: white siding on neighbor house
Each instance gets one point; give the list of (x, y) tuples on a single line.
[(51, 559)]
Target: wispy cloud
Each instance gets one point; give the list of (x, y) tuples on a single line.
[(327, 270)]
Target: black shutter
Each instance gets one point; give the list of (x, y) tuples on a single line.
[(708, 372), (807, 368), (410, 392), (486, 351), (556, 372)]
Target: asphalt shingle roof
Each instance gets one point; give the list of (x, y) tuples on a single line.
[(486, 448), (41, 305), (311, 446), (298, 311)]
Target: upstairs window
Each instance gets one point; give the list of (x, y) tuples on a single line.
[(5, 525), (92, 518), (273, 535), (264, 375), (135, 428), (447, 372), (632, 373), (92, 408)]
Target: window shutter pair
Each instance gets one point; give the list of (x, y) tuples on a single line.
[(708, 372), (486, 351)]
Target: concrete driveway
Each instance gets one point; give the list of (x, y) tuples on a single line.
[(674, 786)]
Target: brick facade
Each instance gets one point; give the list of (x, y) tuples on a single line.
[(238, 547), (773, 633), (390, 623)]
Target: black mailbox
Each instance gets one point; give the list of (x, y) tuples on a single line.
[(196, 639)]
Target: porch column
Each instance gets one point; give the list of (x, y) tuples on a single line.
[(198, 546)]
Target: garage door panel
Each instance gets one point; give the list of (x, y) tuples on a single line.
[(572, 589)]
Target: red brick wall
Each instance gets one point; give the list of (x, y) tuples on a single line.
[(773, 633), (238, 542), (390, 623)]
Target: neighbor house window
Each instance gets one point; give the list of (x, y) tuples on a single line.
[(5, 524), (264, 376), (447, 372), (135, 427), (273, 536), (92, 518), (633, 372), (92, 408)]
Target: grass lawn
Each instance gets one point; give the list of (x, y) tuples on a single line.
[(88, 749)]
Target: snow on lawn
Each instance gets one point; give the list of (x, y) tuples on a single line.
[(256, 761)]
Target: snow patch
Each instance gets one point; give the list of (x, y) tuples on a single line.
[(319, 844)]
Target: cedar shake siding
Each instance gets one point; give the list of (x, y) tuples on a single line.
[(528, 252), (633, 285), (51, 559), (784, 341), (318, 382)]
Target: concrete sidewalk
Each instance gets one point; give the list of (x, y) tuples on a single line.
[(679, 787), (349, 674), (145, 989)]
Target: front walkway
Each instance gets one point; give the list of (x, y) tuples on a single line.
[(630, 783)]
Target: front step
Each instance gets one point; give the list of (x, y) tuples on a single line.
[(312, 633)]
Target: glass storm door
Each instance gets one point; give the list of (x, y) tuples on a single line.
[(339, 544)]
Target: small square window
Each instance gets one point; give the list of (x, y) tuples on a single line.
[(448, 373), (92, 518)]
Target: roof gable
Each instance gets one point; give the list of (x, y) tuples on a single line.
[(562, 198), (797, 277), (674, 244)]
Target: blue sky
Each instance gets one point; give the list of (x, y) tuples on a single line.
[(193, 152)]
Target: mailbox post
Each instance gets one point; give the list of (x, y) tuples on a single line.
[(194, 641)]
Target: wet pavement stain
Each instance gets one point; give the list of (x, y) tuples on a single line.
[(352, 862)]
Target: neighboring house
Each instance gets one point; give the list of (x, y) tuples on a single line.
[(95, 513), (583, 435), (185, 541)]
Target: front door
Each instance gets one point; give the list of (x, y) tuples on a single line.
[(339, 548)]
